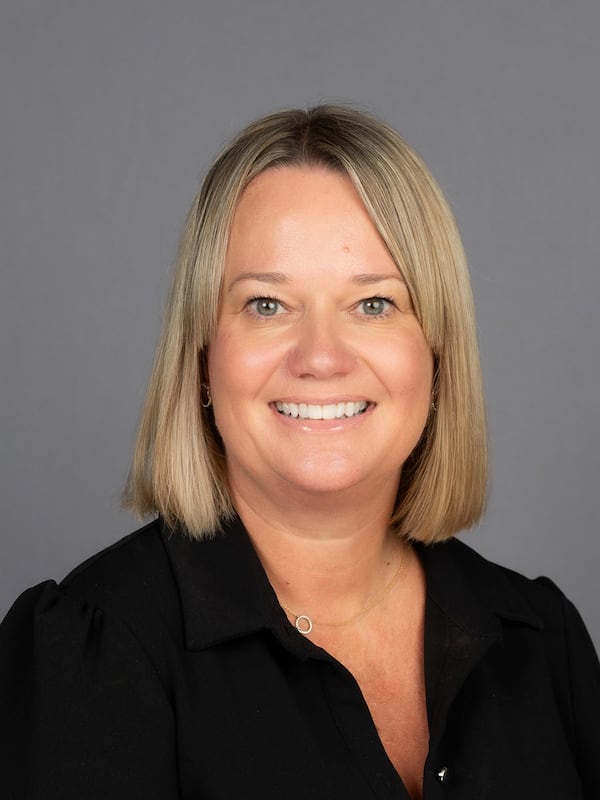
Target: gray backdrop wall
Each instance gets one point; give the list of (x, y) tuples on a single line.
[(110, 113)]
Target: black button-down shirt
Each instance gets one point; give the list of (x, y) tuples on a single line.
[(165, 667)]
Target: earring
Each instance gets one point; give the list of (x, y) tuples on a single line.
[(205, 397), (433, 403)]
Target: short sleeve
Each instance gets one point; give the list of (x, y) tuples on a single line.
[(83, 712)]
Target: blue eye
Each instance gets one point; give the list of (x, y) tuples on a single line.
[(375, 306), (265, 306)]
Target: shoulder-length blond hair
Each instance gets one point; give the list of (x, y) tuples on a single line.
[(178, 469)]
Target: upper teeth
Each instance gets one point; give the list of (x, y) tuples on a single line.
[(329, 411)]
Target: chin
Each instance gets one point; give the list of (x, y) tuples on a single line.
[(327, 478)]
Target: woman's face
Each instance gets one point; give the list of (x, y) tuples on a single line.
[(319, 371)]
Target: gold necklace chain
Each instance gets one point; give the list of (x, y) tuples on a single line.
[(304, 624)]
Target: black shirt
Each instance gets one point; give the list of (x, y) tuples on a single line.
[(164, 667)]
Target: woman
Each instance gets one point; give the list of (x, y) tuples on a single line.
[(298, 621)]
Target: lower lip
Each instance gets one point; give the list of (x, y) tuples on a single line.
[(323, 425)]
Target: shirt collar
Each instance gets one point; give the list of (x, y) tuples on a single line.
[(474, 593), (225, 593)]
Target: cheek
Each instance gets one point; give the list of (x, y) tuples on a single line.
[(226, 386), (223, 367), (238, 369), (413, 368), (237, 359)]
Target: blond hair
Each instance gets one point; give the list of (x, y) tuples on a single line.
[(178, 469)]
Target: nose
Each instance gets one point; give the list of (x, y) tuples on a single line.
[(320, 349)]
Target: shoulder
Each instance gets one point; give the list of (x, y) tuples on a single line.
[(131, 584), (131, 574), (84, 664), (544, 637), (497, 582), (121, 600), (462, 577), (530, 618)]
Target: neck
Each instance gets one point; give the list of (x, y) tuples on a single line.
[(329, 563)]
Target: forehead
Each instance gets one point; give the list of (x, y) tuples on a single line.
[(277, 179), (286, 190), (302, 208)]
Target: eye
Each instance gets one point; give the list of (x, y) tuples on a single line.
[(264, 306), (375, 306)]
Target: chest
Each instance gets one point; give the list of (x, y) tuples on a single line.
[(400, 717), (392, 682)]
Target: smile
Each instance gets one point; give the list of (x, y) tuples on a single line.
[(329, 411)]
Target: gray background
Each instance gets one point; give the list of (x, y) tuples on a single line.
[(110, 113)]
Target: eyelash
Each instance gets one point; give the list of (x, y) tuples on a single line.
[(255, 298), (261, 297), (385, 312)]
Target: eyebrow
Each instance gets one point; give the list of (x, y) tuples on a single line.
[(365, 279), (262, 277), (369, 278)]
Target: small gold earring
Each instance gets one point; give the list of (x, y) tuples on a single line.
[(433, 403), (205, 396)]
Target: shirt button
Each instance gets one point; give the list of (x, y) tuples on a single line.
[(442, 775)]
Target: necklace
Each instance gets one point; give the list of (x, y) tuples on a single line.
[(304, 624)]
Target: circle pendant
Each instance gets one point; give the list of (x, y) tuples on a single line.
[(303, 624)]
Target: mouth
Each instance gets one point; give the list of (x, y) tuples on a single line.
[(342, 410)]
